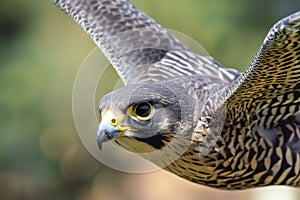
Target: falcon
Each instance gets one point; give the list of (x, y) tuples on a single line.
[(188, 114)]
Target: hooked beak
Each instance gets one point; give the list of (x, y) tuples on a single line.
[(106, 132), (109, 128)]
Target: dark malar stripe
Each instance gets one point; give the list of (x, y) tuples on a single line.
[(154, 141)]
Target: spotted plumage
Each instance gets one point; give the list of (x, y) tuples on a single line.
[(188, 114)]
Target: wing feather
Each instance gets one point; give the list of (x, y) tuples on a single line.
[(271, 84), (137, 46)]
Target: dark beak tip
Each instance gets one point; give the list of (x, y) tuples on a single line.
[(105, 133), (100, 146), (99, 143)]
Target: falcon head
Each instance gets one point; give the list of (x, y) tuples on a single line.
[(144, 117)]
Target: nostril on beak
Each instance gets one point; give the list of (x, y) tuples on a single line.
[(113, 122)]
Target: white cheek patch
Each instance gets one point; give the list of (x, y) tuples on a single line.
[(129, 134)]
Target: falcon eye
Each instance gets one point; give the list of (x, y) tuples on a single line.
[(141, 111)]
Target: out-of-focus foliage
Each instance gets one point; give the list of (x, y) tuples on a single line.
[(41, 49)]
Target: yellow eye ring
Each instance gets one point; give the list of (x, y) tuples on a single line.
[(141, 111)]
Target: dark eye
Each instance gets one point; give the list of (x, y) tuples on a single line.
[(141, 111)]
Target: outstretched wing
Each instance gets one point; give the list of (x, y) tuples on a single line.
[(268, 92), (139, 49)]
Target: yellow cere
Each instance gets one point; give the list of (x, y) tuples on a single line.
[(110, 118)]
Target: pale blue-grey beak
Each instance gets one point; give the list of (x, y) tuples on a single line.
[(108, 128), (106, 132)]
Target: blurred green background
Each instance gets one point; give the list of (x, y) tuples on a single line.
[(41, 156)]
